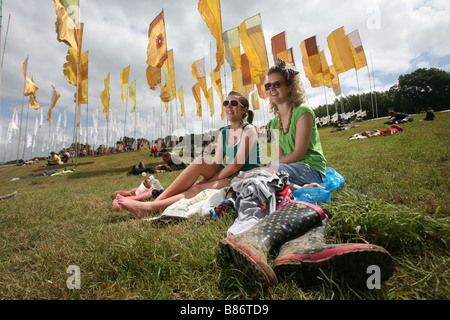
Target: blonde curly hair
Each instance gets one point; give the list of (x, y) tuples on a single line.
[(297, 95)]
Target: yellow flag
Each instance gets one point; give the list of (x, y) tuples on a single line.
[(211, 101), (67, 19), (153, 77), (24, 67), (55, 97), (157, 45), (232, 48), (210, 12), (124, 83), (133, 95), (181, 98), (340, 51), (171, 82), (83, 79), (30, 87), (105, 96), (252, 38), (255, 100), (357, 50), (33, 102), (70, 67), (198, 100), (316, 79), (217, 83)]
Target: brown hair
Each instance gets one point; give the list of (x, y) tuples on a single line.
[(249, 115)]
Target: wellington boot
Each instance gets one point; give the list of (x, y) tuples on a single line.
[(308, 258), (249, 249)]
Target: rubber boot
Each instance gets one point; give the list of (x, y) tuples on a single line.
[(309, 258), (249, 250)]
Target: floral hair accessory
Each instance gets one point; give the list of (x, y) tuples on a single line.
[(289, 73)]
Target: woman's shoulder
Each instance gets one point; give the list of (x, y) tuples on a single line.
[(302, 109)]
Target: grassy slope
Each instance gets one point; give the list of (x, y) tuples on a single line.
[(396, 195)]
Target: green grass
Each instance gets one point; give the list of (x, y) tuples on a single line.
[(395, 195)]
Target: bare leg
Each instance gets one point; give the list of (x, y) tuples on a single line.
[(140, 209), (189, 176)]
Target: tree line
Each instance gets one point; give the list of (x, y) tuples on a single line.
[(414, 92)]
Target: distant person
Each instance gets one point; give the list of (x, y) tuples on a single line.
[(398, 117), (54, 160), (430, 114)]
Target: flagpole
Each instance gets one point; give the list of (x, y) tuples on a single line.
[(21, 116), (373, 77), (359, 93)]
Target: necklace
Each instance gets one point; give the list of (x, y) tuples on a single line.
[(283, 130)]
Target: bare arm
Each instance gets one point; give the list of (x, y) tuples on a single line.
[(302, 138)]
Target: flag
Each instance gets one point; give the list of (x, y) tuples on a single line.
[(67, 20), (232, 48), (83, 79), (105, 96), (279, 47), (181, 98), (33, 102), (255, 100), (217, 83), (55, 97), (246, 72), (340, 51), (210, 12), (290, 57), (252, 38), (133, 95), (157, 45), (359, 57), (24, 67), (171, 82), (196, 93), (30, 87), (310, 54), (198, 71), (124, 74), (70, 66), (153, 77), (211, 101)]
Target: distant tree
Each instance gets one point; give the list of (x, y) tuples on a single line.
[(425, 88)]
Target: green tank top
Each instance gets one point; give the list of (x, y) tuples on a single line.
[(314, 157), (254, 158)]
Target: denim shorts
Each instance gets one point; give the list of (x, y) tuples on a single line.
[(300, 173)]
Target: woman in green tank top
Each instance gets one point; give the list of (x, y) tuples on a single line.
[(299, 149), (238, 148)]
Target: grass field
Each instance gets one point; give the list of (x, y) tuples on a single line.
[(396, 195)]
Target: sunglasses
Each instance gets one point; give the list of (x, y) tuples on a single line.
[(233, 103), (276, 85)]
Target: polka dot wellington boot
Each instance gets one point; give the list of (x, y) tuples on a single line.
[(249, 249), (308, 258)]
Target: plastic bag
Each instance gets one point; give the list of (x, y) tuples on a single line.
[(333, 181)]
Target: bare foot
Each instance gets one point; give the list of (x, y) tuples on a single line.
[(117, 207), (121, 192), (135, 207)]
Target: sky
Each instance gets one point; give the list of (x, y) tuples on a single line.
[(398, 36)]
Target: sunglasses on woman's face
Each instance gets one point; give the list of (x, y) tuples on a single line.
[(276, 85), (232, 103)]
